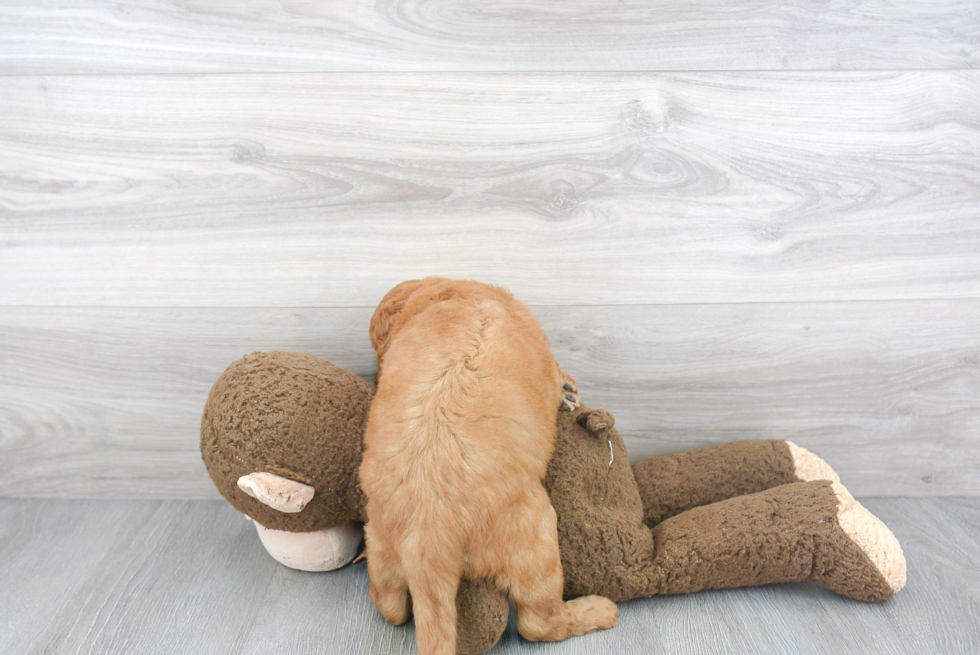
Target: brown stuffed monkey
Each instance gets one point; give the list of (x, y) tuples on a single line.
[(282, 435)]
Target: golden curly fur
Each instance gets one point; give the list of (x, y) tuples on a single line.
[(457, 443)]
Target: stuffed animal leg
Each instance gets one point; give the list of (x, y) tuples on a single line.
[(792, 512), (790, 533), (676, 483), (785, 532)]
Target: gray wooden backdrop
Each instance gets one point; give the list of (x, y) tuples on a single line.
[(759, 221)]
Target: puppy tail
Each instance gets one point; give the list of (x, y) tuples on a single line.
[(433, 582)]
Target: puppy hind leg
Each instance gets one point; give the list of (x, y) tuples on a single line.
[(534, 577), (389, 589), (433, 582)]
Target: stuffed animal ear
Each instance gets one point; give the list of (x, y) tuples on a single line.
[(596, 420), (277, 492)]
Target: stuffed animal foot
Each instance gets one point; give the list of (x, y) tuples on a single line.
[(794, 532), (807, 466), (570, 400), (862, 558), (323, 550)]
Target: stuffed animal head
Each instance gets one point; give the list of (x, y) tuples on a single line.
[(282, 438)]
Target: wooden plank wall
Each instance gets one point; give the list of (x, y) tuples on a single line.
[(762, 223)]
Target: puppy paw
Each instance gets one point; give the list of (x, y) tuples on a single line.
[(570, 400), (593, 613)]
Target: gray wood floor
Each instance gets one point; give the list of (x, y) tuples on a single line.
[(130, 577)]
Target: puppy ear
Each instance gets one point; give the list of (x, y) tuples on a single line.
[(386, 313)]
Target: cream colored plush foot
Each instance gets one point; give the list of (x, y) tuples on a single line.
[(872, 536), (810, 467), (323, 550)]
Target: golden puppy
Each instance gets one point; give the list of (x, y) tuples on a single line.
[(457, 443)]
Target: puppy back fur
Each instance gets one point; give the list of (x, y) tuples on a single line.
[(457, 443)]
